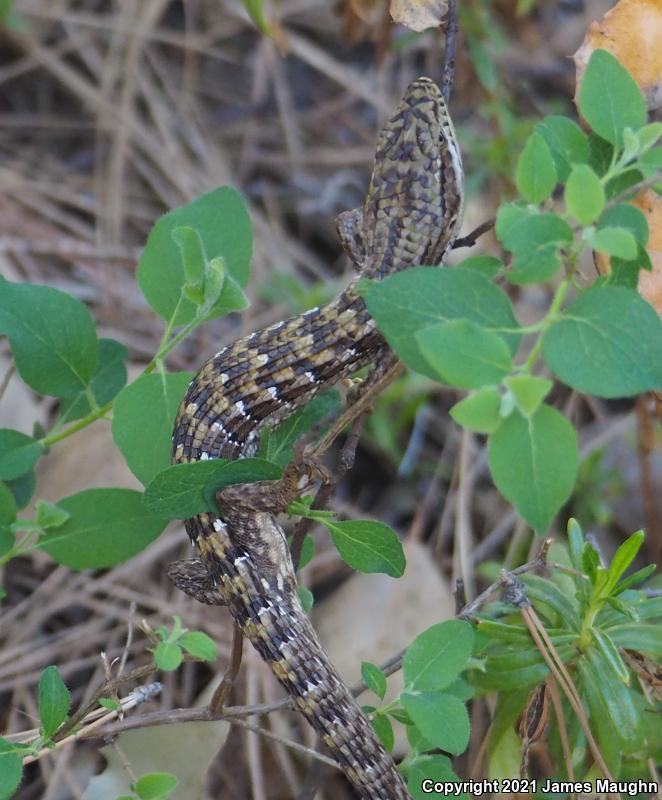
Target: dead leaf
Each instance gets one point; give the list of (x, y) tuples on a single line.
[(418, 14), (631, 31)]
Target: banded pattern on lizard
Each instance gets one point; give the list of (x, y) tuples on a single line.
[(410, 216)]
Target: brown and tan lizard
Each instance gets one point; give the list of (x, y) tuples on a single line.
[(411, 215)]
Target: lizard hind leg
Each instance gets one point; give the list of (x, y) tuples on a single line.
[(192, 577), (349, 225)]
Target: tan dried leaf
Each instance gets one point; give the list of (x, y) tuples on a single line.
[(650, 283), (631, 31), (418, 14)]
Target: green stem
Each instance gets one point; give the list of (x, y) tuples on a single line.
[(557, 302), (21, 547), (52, 438)]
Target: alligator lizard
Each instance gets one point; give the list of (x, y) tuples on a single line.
[(410, 216)]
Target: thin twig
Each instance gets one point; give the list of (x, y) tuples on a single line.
[(471, 238), (344, 463), (231, 671), (449, 56)]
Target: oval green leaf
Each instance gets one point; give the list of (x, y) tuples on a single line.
[(155, 786), (18, 453), (105, 527), (184, 490), (567, 142), (584, 194), (199, 645), (534, 463), (441, 718), (374, 678), (535, 175), (479, 411), (109, 377), (463, 354), (615, 242), (54, 701), (437, 656), (420, 297), (609, 99), (608, 343), (221, 221), (143, 419), (368, 546), (52, 336)]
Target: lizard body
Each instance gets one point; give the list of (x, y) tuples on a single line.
[(410, 216)]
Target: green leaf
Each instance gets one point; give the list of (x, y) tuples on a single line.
[(535, 241), (192, 252), (11, 773), (564, 605), (307, 551), (184, 490), (168, 656), (374, 678), (143, 419), (535, 175), (280, 441), (306, 598), (528, 392), (384, 731), (627, 216), (464, 354), (368, 546), (18, 453), (535, 230), (441, 718), (105, 527), (155, 786), (636, 577), (479, 411), (611, 655), (567, 142), (614, 694), (7, 505), (437, 656), (221, 220), (615, 242), (215, 278), (623, 557), (575, 544), (638, 636), (199, 645), (488, 266), (650, 162), (648, 135), (608, 739), (534, 463), (607, 343), (110, 704), (109, 377), (420, 297), (50, 515), (609, 99), (626, 609), (584, 195), (509, 215), (255, 10), (22, 488), (435, 769), (54, 701), (52, 336)]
